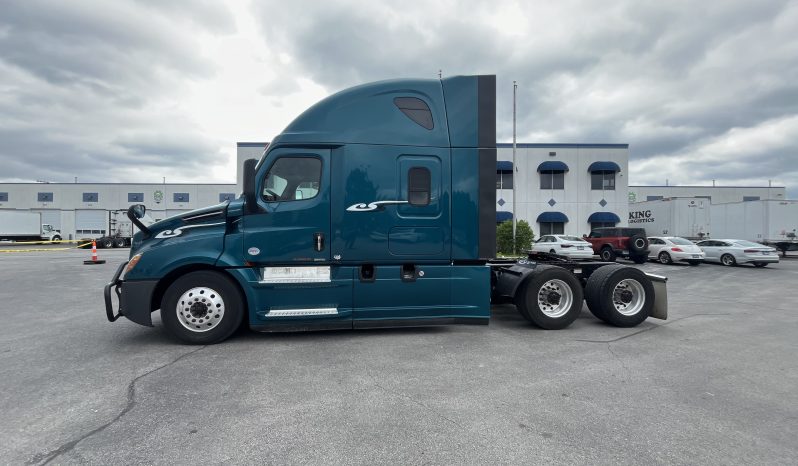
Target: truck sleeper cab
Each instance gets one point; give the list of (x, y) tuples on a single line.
[(374, 208)]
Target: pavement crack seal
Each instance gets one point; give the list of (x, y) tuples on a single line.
[(414, 401), (654, 327), (44, 458), (609, 348)]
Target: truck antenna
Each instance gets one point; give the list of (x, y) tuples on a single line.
[(515, 87)]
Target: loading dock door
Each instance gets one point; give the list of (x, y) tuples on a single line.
[(51, 217), (90, 223)]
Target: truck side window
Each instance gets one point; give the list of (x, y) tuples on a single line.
[(415, 109), (418, 186), (292, 179)]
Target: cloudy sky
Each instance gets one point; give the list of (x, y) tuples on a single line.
[(140, 90)]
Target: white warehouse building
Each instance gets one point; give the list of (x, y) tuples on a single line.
[(563, 188)]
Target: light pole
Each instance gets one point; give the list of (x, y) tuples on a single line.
[(515, 209)]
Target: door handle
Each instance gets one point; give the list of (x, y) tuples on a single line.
[(318, 239)]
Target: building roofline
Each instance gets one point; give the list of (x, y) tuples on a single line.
[(533, 145), (251, 144), (116, 184), (700, 186)]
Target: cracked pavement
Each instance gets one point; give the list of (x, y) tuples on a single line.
[(715, 384)]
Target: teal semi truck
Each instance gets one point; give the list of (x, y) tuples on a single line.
[(374, 208)]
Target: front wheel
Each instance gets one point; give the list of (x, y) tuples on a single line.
[(56, 238), (202, 308), (728, 260), (551, 298)]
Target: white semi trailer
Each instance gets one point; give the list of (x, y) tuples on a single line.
[(771, 222), (23, 225), (685, 217)]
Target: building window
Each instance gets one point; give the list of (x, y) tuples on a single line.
[(45, 197), (135, 197), (602, 180), (180, 197), (652, 198), (594, 225), (552, 228), (226, 197), (552, 180), (3, 197), (504, 179), (750, 198), (90, 197)]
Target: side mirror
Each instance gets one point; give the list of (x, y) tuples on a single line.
[(134, 213), (250, 197)]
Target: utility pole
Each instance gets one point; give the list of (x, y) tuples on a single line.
[(515, 209)]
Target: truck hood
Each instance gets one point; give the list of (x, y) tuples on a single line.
[(213, 217)]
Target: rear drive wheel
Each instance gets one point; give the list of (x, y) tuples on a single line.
[(728, 260), (607, 254), (760, 264), (620, 296), (106, 243), (202, 308), (665, 258), (120, 243), (550, 298)]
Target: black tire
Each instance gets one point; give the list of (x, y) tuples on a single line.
[(602, 289), (728, 260), (219, 289), (607, 254), (120, 243), (760, 264), (665, 258), (638, 244), (106, 243), (694, 262), (550, 284), (639, 259), (56, 238)]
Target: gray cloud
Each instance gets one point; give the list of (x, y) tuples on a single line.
[(669, 78), (84, 86)]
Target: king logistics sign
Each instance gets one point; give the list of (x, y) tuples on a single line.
[(640, 216)]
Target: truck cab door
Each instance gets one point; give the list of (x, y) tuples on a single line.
[(292, 224), (287, 238)]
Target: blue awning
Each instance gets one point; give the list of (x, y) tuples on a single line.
[(553, 166), (603, 217), (503, 216), (557, 217), (603, 167), (503, 166)]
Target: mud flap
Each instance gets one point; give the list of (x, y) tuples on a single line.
[(660, 309)]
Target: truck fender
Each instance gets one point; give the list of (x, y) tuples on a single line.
[(509, 279)]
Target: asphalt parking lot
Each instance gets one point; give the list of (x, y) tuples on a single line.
[(715, 384)]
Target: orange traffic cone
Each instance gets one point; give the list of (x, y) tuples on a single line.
[(93, 260)]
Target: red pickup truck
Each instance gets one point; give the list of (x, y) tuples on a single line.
[(609, 243)]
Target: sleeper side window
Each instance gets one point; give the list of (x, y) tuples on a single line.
[(292, 179), (418, 186)]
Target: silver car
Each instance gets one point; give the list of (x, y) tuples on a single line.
[(670, 249), (738, 251)]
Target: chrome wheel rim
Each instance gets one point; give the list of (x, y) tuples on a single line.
[(555, 298), (628, 297), (200, 309)]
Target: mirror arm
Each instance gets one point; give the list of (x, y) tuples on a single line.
[(131, 215)]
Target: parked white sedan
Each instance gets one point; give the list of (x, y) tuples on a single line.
[(565, 245), (738, 251), (670, 249)]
